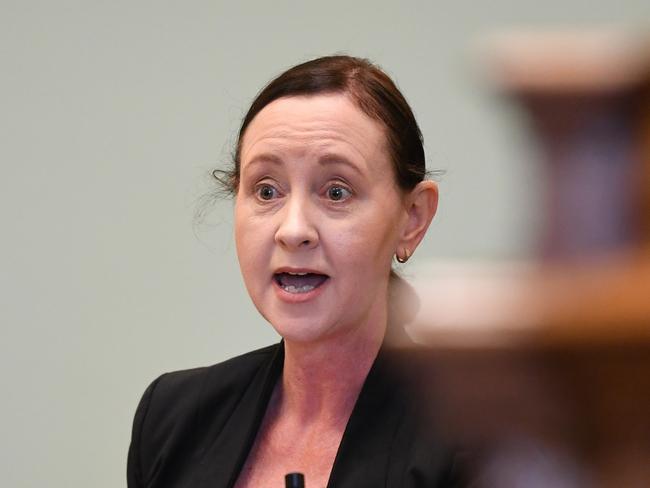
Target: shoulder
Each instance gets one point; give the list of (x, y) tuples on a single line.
[(229, 375), (180, 406), (174, 395)]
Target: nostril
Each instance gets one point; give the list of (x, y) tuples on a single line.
[(296, 230)]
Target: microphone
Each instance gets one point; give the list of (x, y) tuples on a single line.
[(294, 480)]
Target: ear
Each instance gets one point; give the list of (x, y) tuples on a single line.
[(421, 206)]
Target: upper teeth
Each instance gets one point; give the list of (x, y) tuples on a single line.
[(297, 274)]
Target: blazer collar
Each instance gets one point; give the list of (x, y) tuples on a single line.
[(362, 458), (224, 459)]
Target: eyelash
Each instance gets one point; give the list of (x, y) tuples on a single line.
[(339, 186), (334, 185), (262, 186)]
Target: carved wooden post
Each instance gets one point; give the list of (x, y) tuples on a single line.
[(586, 95), (557, 351)]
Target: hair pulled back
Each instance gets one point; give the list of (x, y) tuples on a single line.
[(372, 91)]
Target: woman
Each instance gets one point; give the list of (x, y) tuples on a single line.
[(329, 185)]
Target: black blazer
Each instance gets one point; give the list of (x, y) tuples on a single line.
[(195, 428)]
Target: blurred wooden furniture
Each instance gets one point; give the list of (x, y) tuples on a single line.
[(556, 353)]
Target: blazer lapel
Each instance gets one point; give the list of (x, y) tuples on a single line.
[(364, 455), (222, 461)]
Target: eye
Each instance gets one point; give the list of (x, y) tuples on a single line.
[(338, 193), (266, 192)]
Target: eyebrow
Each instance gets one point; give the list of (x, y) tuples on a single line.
[(323, 160), (265, 158), (332, 158)]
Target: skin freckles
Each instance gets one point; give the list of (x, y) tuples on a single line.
[(317, 192)]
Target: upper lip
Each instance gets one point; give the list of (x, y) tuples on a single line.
[(296, 270)]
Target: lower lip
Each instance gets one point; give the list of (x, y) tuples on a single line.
[(285, 296)]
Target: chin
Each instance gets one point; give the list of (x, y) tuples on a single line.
[(301, 330)]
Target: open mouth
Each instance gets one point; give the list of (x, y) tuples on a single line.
[(299, 282)]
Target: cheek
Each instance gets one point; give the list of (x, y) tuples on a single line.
[(240, 233), (367, 244), (248, 241)]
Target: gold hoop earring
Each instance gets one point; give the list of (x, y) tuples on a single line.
[(403, 259)]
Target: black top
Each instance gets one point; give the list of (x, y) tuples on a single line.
[(195, 428)]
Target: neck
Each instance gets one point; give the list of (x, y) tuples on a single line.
[(321, 381)]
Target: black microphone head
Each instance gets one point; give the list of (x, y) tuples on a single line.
[(294, 480)]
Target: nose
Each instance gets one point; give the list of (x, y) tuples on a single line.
[(297, 229)]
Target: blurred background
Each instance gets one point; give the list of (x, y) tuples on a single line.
[(113, 115)]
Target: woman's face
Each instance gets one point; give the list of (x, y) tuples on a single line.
[(318, 217)]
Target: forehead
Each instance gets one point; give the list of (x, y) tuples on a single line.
[(297, 126)]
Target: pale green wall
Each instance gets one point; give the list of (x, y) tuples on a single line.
[(111, 114)]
